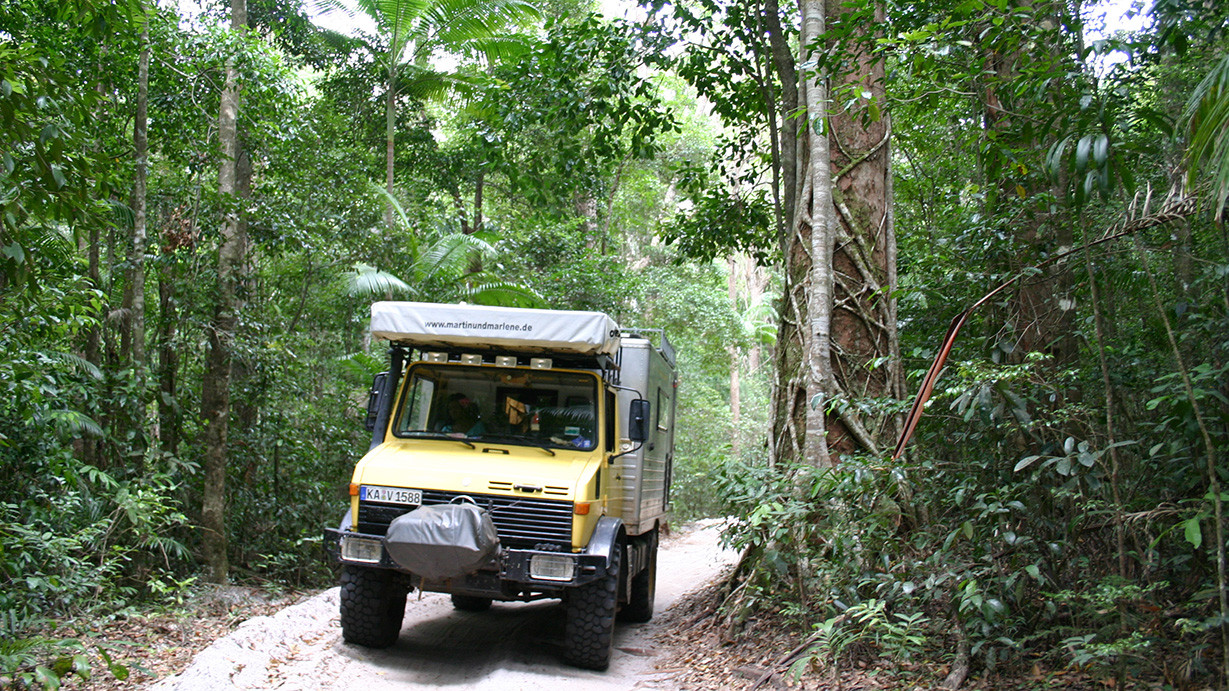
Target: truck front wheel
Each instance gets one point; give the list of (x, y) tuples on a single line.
[(639, 608), (372, 606), (588, 630)]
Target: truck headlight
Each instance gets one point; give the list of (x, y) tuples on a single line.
[(361, 549), (552, 567)]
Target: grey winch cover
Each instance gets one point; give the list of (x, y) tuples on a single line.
[(442, 541)]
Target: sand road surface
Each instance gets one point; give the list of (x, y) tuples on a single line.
[(513, 646)]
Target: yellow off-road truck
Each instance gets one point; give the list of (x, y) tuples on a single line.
[(516, 454)]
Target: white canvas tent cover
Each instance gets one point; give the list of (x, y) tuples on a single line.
[(427, 325)]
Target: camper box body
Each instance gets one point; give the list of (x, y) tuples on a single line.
[(647, 371)]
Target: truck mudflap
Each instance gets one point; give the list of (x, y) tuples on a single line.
[(544, 569)]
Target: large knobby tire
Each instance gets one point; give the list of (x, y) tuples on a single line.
[(588, 630), (471, 603), (639, 608), (372, 606)]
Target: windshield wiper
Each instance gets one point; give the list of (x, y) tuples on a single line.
[(441, 435), (519, 440)]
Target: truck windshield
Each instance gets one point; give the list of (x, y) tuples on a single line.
[(543, 408)]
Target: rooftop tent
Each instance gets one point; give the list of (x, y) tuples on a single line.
[(430, 325)]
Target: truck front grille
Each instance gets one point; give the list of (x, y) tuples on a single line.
[(519, 521)]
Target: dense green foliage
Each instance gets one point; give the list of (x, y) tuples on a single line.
[(1056, 505)]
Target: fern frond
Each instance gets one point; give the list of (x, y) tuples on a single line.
[(361, 365)]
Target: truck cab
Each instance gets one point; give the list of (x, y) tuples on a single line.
[(516, 455)]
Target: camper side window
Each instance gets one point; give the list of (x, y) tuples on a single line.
[(663, 410)]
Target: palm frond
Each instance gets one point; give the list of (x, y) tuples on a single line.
[(431, 85), (77, 363), (73, 423), (457, 21), (315, 7), (503, 294), (759, 321), (497, 48), (365, 280), (395, 19), (51, 242), (1206, 118), (452, 255), (121, 214), (389, 199), (410, 240)]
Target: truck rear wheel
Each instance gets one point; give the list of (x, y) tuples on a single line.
[(639, 608), (372, 606), (471, 603), (588, 630)]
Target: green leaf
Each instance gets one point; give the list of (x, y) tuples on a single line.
[(967, 528), (1100, 149), (1082, 148), (1064, 466), (14, 252), (46, 677), (1025, 462), (1192, 532)]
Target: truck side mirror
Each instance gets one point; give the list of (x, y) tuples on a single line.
[(378, 383), (638, 421)]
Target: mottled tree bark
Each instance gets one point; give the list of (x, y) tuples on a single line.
[(863, 262), (837, 340), (735, 373)]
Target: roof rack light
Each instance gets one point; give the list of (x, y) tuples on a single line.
[(540, 363), (505, 360), (435, 357), (471, 359)]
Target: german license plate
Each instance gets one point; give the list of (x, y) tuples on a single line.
[(390, 495)]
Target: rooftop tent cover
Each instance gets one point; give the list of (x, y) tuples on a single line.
[(424, 324)]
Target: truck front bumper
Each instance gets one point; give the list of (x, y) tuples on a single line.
[(536, 569)]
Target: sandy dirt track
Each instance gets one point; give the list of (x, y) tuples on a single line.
[(513, 646)]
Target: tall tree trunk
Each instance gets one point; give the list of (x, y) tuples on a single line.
[(390, 132), (1041, 309), (790, 395), (132, 336), (215, 395), (140, 140), (246, 411), (783, 63), (168, 362), (820, 385), (91, 447), (862, 270), (837, 339), (735, 384)]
